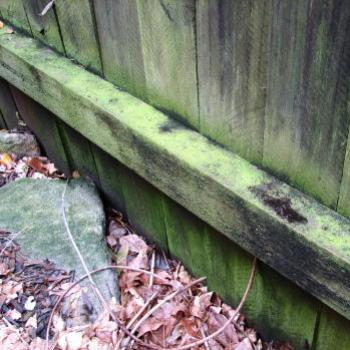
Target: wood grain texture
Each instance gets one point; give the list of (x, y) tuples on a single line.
[(232, 46), (121, 48), (109, 170), (276, 307), (78, 152), (169, 56), (307, 115), (77, 24), (12, 11), (7, 106), (148, 49), (333, 331), (43, 124), (344, 195), (45, 28), (144, 207), (2, 121), (286, 229)]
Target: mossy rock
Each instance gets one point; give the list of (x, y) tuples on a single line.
[(19, 143), (32, 209)]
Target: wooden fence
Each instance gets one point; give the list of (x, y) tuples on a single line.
[(267, 79)]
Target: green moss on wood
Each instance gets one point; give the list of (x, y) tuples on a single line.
[(214, 184)]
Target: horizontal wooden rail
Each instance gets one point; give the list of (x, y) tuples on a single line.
[(305, 241)]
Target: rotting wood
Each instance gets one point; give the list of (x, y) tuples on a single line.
[(214, 184)]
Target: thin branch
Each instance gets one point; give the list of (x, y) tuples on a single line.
[(125, 330), (235, 313), (139, 313), (9, 241), (114, 267), (153, 260), (81, 258), (47, 8), (161, 303)]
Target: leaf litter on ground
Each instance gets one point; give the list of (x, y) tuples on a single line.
[(157, 308)]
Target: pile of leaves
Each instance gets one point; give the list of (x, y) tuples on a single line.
[(13, 168), (161, 306), (29, 289)]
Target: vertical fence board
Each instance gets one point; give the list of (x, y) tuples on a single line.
[(78, 151), (231, 41), (44, 125), (109, 170), (127, 192), (333, 331), (307, 116), (120, 41), (44, 28), (279, 309), (144, 207), (77, 26), (13, 12), (7, 105), (2, 121), (169, 55), (344, 195)]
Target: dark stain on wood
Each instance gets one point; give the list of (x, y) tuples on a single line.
[(166, 10), (170, 126), (281, 205)]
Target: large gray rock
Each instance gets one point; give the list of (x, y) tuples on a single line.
[(33, 207), (21, 144)]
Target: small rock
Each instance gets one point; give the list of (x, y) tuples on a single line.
[(20, 143), (33, 208)]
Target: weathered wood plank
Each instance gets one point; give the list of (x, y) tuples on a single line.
[(333, 331), (307, 115), (12, 11), (344, 194), (77, 24), (169, 55), (2, 121), (45, 28), (232, 46), (7, 105), (276, 307), (120, 41), (144, 207), (286, 229), (78, 151), (43, 124), (109, 170)]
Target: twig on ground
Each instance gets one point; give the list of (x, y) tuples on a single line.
[(115, 267), (47, 8), (162, 302), (153, 261), (14, 236), (206, 344), (235, 313), (139, 313)]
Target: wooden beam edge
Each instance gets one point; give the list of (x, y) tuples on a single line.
[(302, 239)]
